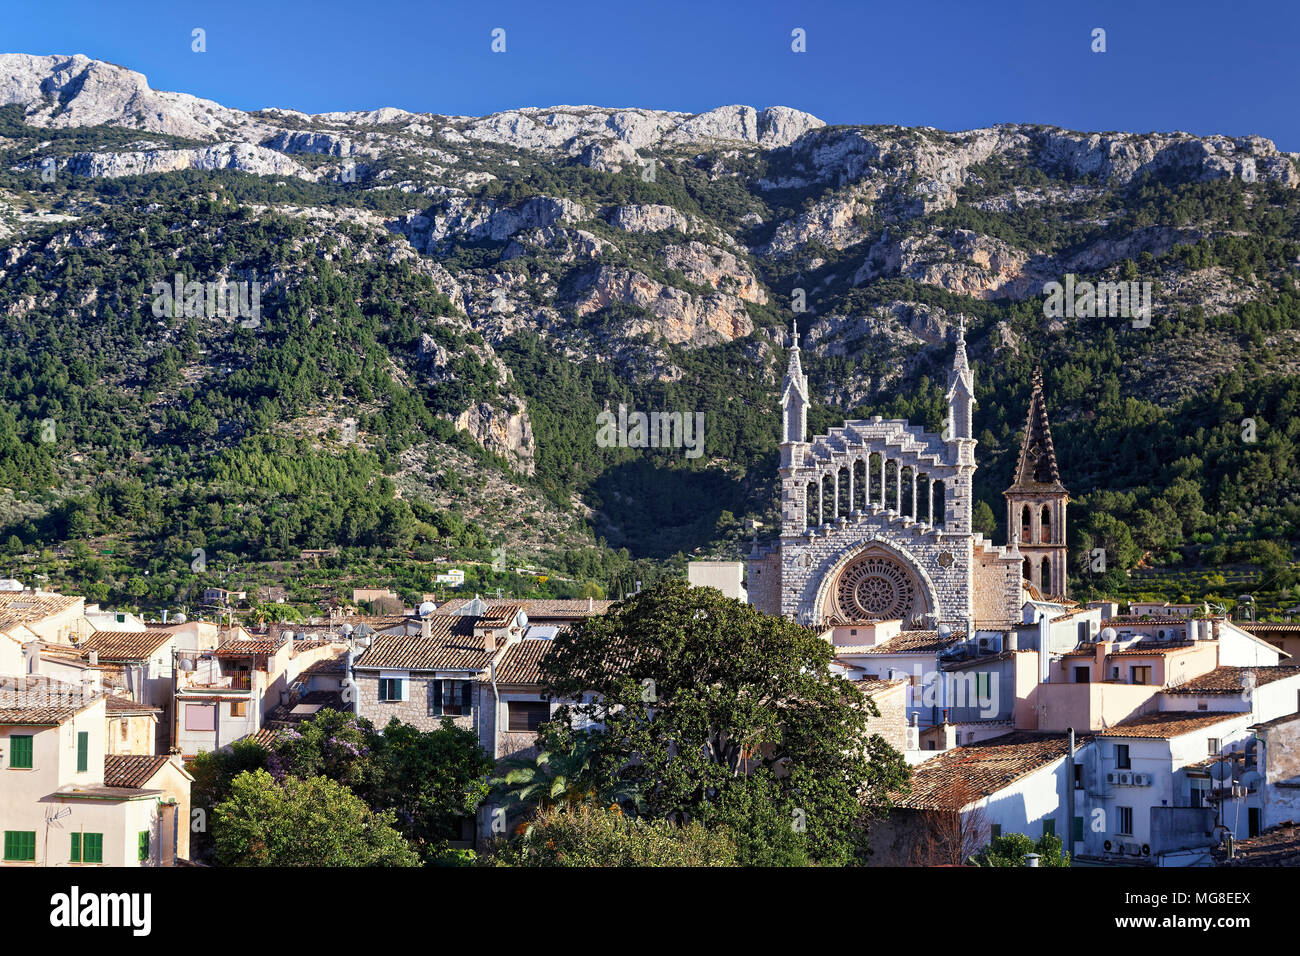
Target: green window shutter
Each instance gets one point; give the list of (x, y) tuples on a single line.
[(75, 854), (93, 846), (1049, 826), (83, 752), (144, 846), (20, 751), (1078, 829), (20, 845), (995, 831), (467, 697), (437, 697)]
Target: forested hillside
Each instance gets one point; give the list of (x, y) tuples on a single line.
[(447, 304)]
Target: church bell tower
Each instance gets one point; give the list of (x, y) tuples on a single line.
[(1036, 502)]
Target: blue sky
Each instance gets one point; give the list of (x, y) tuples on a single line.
[(1189, 65)]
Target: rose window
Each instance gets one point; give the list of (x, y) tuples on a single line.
[(876, 587)]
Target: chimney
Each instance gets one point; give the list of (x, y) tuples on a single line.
[(490, 642), (426, 627), (164, 616), (92, 658), (591, 604)]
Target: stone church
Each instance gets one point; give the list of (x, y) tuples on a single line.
[(876, 520)]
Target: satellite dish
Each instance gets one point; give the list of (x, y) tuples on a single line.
[(427, 608), (1221, 770), (187, 664), (1107, 634), (347, 630), (945, 631), (180, 617)]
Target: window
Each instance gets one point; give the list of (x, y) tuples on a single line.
[(1140, 675), (83, 752), (144, 846), (392, 689), (1121, 757), (982, 685), (995, 831), (200, 717), (1202, 705), (20, 845), (1078, 776), (1125, 821), (20, 751), (87, 848), (1198, 790), (1078, 830), (1114, 673), (239, 708), (123, 724), (1083, 675), (1049, 826), (527, 715), (453, 698), (1213, 743)]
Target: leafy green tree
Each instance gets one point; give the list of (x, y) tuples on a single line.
[(695, 691), (1010, 849), (213, 771), (587, 836), (312, 822), (430, 780)]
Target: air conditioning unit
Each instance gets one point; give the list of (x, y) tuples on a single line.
[(1141, 779), (1126, 779), (1133, 848), (1112, 777)]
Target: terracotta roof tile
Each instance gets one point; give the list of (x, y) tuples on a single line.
[(124, 645), (122, 705), (131, 770), (519, 663), (451, 645), (1228, 680), (1164, 724), (907, 642), (963, 775), (38, 700), (238, 647), (537, 609)]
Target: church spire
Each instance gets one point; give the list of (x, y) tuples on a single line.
[(794, 401), (1037, 466), (961, 389)]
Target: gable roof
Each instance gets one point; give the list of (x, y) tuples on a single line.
[(1164, 724), (907, 642), (1228, 680), (520, 662), (132, 770), (451, 645), (36, 700), (963, 775), (536, 609), (121, 706), (124, 645)]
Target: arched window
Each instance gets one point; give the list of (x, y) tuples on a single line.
[(1026, 529), (1029, 571), (940, 505), (908, 476), (924, 506), (891, 485), (810, 516), (876, 467), (859, 485), (1045, 524), (1046, 587), (842, 506), (828, 499)]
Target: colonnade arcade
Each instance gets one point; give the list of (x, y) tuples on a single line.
[(874, 481)]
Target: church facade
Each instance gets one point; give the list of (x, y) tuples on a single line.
[(876, 522)]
